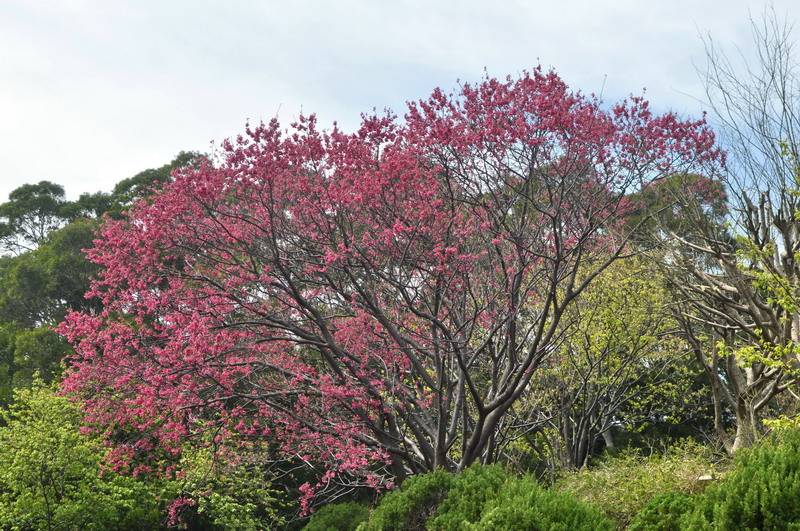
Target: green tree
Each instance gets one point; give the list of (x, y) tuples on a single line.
[(620, 365), (53, 476), (224, 487), (50, 472), (89, 205), (36, 289), (47, 273), (31, 213), (142, 185)]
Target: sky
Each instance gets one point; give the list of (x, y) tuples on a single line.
[(95, 91)]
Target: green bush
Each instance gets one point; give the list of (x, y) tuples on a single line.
[(664, 512), (338, 517), (470, 492), (621, 486), (760, 491), (481, 498), (694, 521), (524, 504), (411, 506)]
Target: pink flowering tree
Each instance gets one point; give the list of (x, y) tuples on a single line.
[(377, 301)]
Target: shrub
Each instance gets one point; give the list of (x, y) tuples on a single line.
[(338, 517), (411, 506), (664, 512), (470, 492), (524, 504), (482, 498), (761, 490)]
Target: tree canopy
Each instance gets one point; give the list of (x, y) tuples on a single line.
[(375, 301)]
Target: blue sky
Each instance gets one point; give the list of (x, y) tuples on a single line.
[(94, 91)]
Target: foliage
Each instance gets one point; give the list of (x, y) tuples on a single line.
[(30, 214), (620, 365), (377, 301), (621, 486), (52, 476), (47, 273), (418, 296), (524, 504), (338, 517), (36, 289), (50, 473), (47, 276), (412, 505), (229, 490), (761, 490), (140, 186), (33, 211), (665, 512), (481, 497), (469, 493)]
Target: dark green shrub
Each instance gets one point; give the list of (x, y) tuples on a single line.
[(338, 517), (694, 520), (471, 490), (761, 490), (411, 506), (524, 504), (482, 498), (664, 512)]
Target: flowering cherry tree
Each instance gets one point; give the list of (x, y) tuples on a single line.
[(375, 301)]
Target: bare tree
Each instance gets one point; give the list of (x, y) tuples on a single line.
[(739, 279)]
